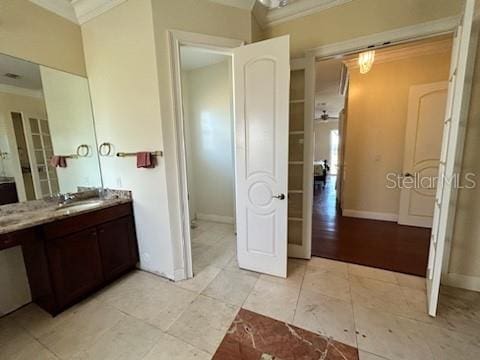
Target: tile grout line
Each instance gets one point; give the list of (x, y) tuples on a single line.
[(299, 292)]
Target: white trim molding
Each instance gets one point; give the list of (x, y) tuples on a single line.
[(215, 218), (461, 281), (383, 216), (88, 9), (387, 38), (299, 9), (60, 7)]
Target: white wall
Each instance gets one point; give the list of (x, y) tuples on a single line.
[(322, 131), (208, 113), (70, 119)]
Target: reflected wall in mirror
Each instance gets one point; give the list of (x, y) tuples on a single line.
[(45, 114)]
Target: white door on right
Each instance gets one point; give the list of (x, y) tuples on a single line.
[(460, 83), (261, 73), (423, 142)]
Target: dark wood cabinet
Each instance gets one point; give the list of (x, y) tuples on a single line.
[(118, 248), (75, 265), (68, 259)]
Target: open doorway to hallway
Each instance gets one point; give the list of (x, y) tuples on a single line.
[(369, 206)]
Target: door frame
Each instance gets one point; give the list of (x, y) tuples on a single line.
[(377, 41), (213, 44)]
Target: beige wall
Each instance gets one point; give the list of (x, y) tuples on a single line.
[(30, 32), (127, 57), (322, 130), (208, 117), (465, 251), (359, 18), (377, 113)]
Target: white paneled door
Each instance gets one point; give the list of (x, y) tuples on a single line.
[(261, 100), (463, 58), (423, 141)]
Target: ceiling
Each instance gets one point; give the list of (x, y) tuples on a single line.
[(327, 88), (194, 58), (29, 73)]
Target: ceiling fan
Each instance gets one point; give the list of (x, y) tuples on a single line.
[(273, 4), (324, 115)]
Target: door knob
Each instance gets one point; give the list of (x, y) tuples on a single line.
[(279, 196)]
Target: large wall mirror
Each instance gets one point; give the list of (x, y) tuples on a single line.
[(47, 135)]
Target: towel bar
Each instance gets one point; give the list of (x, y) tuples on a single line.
[(125, 154)]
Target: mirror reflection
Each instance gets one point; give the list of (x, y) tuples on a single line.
[(47, 136)]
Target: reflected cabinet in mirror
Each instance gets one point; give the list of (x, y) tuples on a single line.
[(47, 136)]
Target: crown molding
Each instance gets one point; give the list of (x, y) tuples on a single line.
[(60, 7), (86, 10), (15, 90), (299, 9)]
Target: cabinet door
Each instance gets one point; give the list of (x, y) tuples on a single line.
[(117, 247), (75, 265)]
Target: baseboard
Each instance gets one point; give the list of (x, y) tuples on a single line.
[(461, 281), (370, 215), (215, 218)]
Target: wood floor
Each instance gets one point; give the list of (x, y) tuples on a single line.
[(380, 244)]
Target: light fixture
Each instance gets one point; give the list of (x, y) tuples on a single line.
[(365, 61)]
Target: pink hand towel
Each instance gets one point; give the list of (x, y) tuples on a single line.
[(145, 160), (58, 161)]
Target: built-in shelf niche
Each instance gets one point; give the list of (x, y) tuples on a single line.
[(295, 157)]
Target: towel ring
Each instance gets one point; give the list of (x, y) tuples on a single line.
[(83, 150), (105, 149)]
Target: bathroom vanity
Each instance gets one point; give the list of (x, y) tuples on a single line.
[(71, 251), (60, 247)]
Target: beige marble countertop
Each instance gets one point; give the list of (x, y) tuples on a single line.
[(21, 216)]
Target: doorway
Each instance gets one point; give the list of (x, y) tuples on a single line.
[(260, 88), (357, 211), (23, 156), (208, 124)]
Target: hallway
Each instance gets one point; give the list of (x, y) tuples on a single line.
[(379, 244)]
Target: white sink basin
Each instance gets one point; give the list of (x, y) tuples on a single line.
[(80, 206)]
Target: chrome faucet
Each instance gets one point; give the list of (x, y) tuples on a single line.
[(64, 199)]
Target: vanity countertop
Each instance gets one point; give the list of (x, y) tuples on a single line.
[(25, 215)]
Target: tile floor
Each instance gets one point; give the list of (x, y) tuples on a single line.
[(143, 316)]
